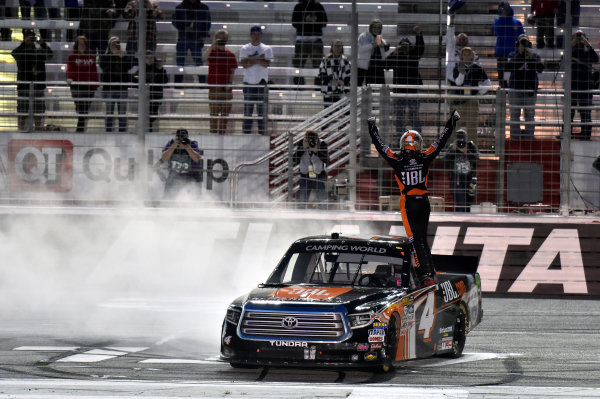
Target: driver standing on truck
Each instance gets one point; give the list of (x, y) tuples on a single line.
[(411, 167)]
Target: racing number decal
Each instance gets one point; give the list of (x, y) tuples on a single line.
[(425, 323)]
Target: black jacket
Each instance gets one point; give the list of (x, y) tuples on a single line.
[(155, 77), (462, 165), (307, 8), (31, 62), (192, 21), (115, 69), (581, 67), (524, 71), (406, 66)]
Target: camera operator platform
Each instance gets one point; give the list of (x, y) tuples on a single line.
[(183, 158)]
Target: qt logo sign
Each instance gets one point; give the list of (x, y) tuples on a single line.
[(40, 165)]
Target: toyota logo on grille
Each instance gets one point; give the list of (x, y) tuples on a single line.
[(289, 322)]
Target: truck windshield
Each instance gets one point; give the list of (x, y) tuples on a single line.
[(337, 269)]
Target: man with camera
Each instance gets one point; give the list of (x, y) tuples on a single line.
[(31, 56), (312, 156), (524, 66), (183, 158), (461, 160)]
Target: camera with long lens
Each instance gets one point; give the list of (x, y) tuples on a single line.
[(461, 143), (182, 137), (312, 142), (524, 42)]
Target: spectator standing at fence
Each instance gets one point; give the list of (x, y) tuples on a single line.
[(582, 82), (404, 61), (469, 74), (222, 64), (309, 18), (372, 50), (507, 29), (461, 160), (82, 77), (312, 158), (334, 74), (115, 64), (5, 13), (561, 18), (156, 77), (97, 19), (544, 12), (31, 56), (524, 66), (183, 158), (153, 14), (192, 20), (255, 57)]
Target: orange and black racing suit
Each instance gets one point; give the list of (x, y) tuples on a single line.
[(411, 171)]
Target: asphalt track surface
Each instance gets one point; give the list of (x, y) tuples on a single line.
[(168, 347)]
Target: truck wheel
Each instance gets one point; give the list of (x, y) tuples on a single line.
[(460, 332), (390, 346)]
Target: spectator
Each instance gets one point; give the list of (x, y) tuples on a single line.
[(461, 160), (5, 13), (255, 57), (97, 19), (41, 13), (72, 14), (469, 74), (507, 29), (404, 61), (524, 66), (153, 14), (561, 18), (312, 156), (31, 67), (454, 45), (83, 71), (183, 158), (156, 76), (372, 50), (309, 18), (222, 64), (192, 20), (115, 64), (544, 12), (582, 82), (334, 74)]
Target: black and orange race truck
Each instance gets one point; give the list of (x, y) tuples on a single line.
[(343, 301)]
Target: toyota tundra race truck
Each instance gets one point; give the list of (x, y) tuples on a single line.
[(348, 301)]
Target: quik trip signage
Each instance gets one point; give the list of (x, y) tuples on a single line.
[(105, 166)]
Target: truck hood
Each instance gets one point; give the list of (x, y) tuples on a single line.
[(320, 294)]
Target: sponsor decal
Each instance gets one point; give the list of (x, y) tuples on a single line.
[(446, 343), (310, 353), (354, 357), (376, 346), (446, 330), (376, 331), (449, 293), (362, 347), (345, 248), (376, 338), (296, 292), (227, 340), (461, 288), (379, 325), (289, 322), (370, 356), (408, 300), (290, 344), (40, 165)]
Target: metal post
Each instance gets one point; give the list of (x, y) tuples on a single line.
[(352, 172), (31, 100), (565, 148), (266, 108), (500, 140), (290, 182), (143, 103)]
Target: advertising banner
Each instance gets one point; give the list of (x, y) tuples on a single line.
[(106, 166)]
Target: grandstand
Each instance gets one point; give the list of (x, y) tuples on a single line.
[(292, 106)]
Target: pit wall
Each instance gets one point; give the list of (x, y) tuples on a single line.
[(186, 250)]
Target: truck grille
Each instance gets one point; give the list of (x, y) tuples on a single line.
[(290, 325)]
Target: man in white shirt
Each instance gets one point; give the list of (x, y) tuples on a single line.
[(255, 57)]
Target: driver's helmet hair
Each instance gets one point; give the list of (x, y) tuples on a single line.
[(411, 140)]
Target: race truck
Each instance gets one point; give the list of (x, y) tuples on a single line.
[(343, 301)]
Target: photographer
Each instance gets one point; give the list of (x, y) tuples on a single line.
[(461, 159), (183, 157), (524, 66), (31, 56), (312, 155)]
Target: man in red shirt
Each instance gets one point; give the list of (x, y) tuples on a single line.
[(222, 64)]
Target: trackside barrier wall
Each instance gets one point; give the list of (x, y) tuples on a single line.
[(226, 252)]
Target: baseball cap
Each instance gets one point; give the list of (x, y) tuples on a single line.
[(256, 28), (27, 32), (404, 40)]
